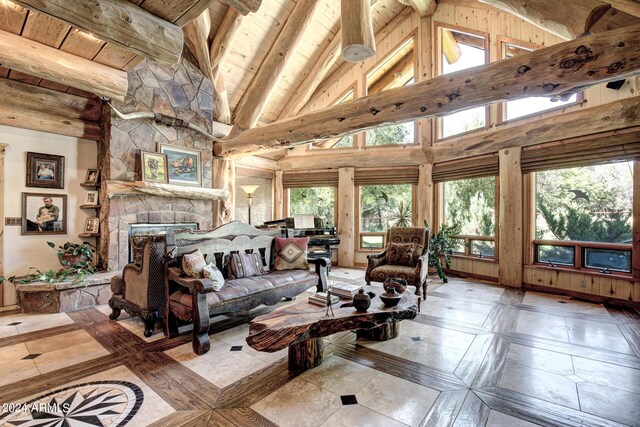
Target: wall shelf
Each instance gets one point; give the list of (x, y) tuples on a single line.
[(89, 206), (120, 188), (89, 235), (90, 185)]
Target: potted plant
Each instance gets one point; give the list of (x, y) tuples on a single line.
[(74, 254), (441, 246)]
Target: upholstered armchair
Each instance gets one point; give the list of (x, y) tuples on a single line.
[(140, 289), (392, 263)]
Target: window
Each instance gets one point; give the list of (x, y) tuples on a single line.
[(381, 207), (470, 205), (317, 201), (344, 142), (461, 50), (583, 217), (396, 70), (526, 106)]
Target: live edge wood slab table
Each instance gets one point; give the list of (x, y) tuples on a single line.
[(301, 326)]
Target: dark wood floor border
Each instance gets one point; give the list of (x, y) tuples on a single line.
[(568, 313), (36, 335), (502, 318), (631, 332), (493, 363), (21, 389), (253, 388), (114, 337), (456, 297), (539, 411), (88, 315), (626, 314), (426, 319), (11, 312), (474, 412), (398, 367), (445, 409), (184, 419), (471, 362), (512, 296), (245, 417)]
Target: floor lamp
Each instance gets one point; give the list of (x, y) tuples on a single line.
[(249, 189)]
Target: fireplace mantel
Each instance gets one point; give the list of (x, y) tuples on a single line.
[(121, 188)]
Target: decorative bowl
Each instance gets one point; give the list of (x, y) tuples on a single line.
[(391, 298), (399, 284)]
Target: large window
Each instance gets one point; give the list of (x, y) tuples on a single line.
[(317, 201), (381, 207), (461, 50), (526, 106), (469, 205), (583, 217)]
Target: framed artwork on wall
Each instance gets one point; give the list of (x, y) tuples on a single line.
[(153, 167), (184, 165), (45, 170), (44, 213), (92, 225), (91, 198), (92, 176)]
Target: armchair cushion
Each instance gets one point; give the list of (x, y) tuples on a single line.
[(380, 274), (402, 254)]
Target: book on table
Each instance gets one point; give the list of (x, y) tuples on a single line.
[(320, 298), (345, 290)]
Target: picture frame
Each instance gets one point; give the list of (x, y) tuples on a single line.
[(184, 165), (92, 225), (44, 213), (92, 177), (45, 170), (91, 198), (153, 167)]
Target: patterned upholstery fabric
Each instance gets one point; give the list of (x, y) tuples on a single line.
[(193, 263), (137, 246), (417, 235), (245, 265), (410, 274), (291, 253), (401, 254)]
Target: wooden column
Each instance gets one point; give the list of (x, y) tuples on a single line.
[(358, 41), (2, 148), (346, 217), (223, 178), (278, 198), (510, 219), (424, 199), (529, 215), (636, 221)]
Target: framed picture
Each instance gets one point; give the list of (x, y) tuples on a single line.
[(91, 198), (92, 225), (184, 165), (45, 170), (92, 176), (44, 213), (153, 167)]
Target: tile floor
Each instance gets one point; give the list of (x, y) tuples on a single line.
[(468, 359)]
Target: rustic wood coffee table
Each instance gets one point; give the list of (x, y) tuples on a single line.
[(301, 326)]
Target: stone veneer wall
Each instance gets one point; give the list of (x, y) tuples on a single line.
[(180, 91)]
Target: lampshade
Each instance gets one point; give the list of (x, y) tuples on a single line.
[(249, 189)]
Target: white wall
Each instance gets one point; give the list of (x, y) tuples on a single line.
[(21, 252)]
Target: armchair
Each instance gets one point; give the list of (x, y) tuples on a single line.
[(379, 269), (140, 290)]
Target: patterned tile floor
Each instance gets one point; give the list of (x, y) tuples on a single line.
[(476, 355)]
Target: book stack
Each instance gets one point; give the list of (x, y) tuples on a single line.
[(345, 290), (320, 298)]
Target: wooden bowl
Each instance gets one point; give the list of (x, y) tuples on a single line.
[(399, 284)]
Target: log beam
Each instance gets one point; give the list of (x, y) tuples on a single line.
[(359, 159), (632, 7), (550, 71), (346, 217), (218, 52), (244, 6), (602, 118), (423, 7), (27, 56), (118, 22), (272, 69), (358, 41), (196, 34), (26, 118), (224, 172)]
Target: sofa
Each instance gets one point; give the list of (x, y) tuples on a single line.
[(195, 301)]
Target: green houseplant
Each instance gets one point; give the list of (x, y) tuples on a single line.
[(441, 246), (72, 254)]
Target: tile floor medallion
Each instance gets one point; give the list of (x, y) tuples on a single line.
[(476, 355)]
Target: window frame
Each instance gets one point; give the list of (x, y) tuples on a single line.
[(287, 201), (438, 26)]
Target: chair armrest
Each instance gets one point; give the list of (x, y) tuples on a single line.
[(320, 264), (376, 260), (194, 285), (423, 266), (131, 272), (117, 285)]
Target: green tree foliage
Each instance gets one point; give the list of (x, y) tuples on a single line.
[(318, 201), (471, 204), (383, 206), (590, 203), (391, 135)]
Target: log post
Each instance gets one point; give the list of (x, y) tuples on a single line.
[(223, 178), (279, 195), (346, 217), (358, 41), (305, 355), (510, 218), (244, 6), (636, 220), (423, 7), (450, 47), (196, 33), (424, 202)]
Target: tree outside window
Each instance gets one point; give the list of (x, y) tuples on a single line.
[(317, 201), (382, 207)]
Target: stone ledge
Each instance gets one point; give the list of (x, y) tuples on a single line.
[(91, 280)]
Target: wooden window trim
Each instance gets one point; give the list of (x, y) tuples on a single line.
[(287, 203), (578, 252), (468, 242)]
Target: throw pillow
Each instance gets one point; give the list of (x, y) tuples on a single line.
[(211, 272), (245, 265), (193, 263), (291, 253), (401, 254)]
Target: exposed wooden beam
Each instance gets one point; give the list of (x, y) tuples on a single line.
[(423, 7), (602, 118), (223, 178), (568, 19), (544, 72), (358, 41), (244, 6), (26, 118), (196, 35), (119, 22), (632, 7), (272, 69), (256, 162), (358, 159), (197, 8), (450, 47), (401, 69), (219, 51), (179, 12), (39, 60)]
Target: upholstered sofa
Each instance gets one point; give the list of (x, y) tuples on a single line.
[(380, 269), (194, 300)]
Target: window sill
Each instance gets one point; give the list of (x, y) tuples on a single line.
[(539, 114), (461, 135), (617, 276), (474, 257)]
